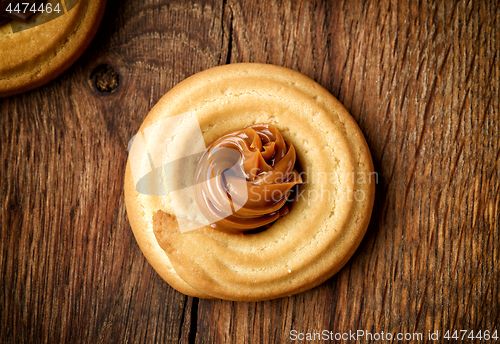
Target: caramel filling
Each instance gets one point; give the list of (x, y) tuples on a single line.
[(254, 171)]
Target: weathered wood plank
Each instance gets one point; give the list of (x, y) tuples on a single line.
[(421, 79)]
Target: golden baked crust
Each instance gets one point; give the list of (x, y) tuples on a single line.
[(34, 56), (323, 228)]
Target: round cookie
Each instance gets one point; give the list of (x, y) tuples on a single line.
[(36, 51), (301, 249)]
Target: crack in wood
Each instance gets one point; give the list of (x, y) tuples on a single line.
[(193, 325), (229, 47)]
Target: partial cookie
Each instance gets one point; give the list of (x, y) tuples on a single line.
[(37, 46), (300, 249)]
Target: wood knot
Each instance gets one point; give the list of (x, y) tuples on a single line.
[(105, 79)]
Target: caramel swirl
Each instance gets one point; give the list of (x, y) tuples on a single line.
[(252, 170)]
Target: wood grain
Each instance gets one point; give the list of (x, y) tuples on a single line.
[(422, 80)]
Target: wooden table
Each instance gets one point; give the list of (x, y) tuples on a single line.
[(420, 78)]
